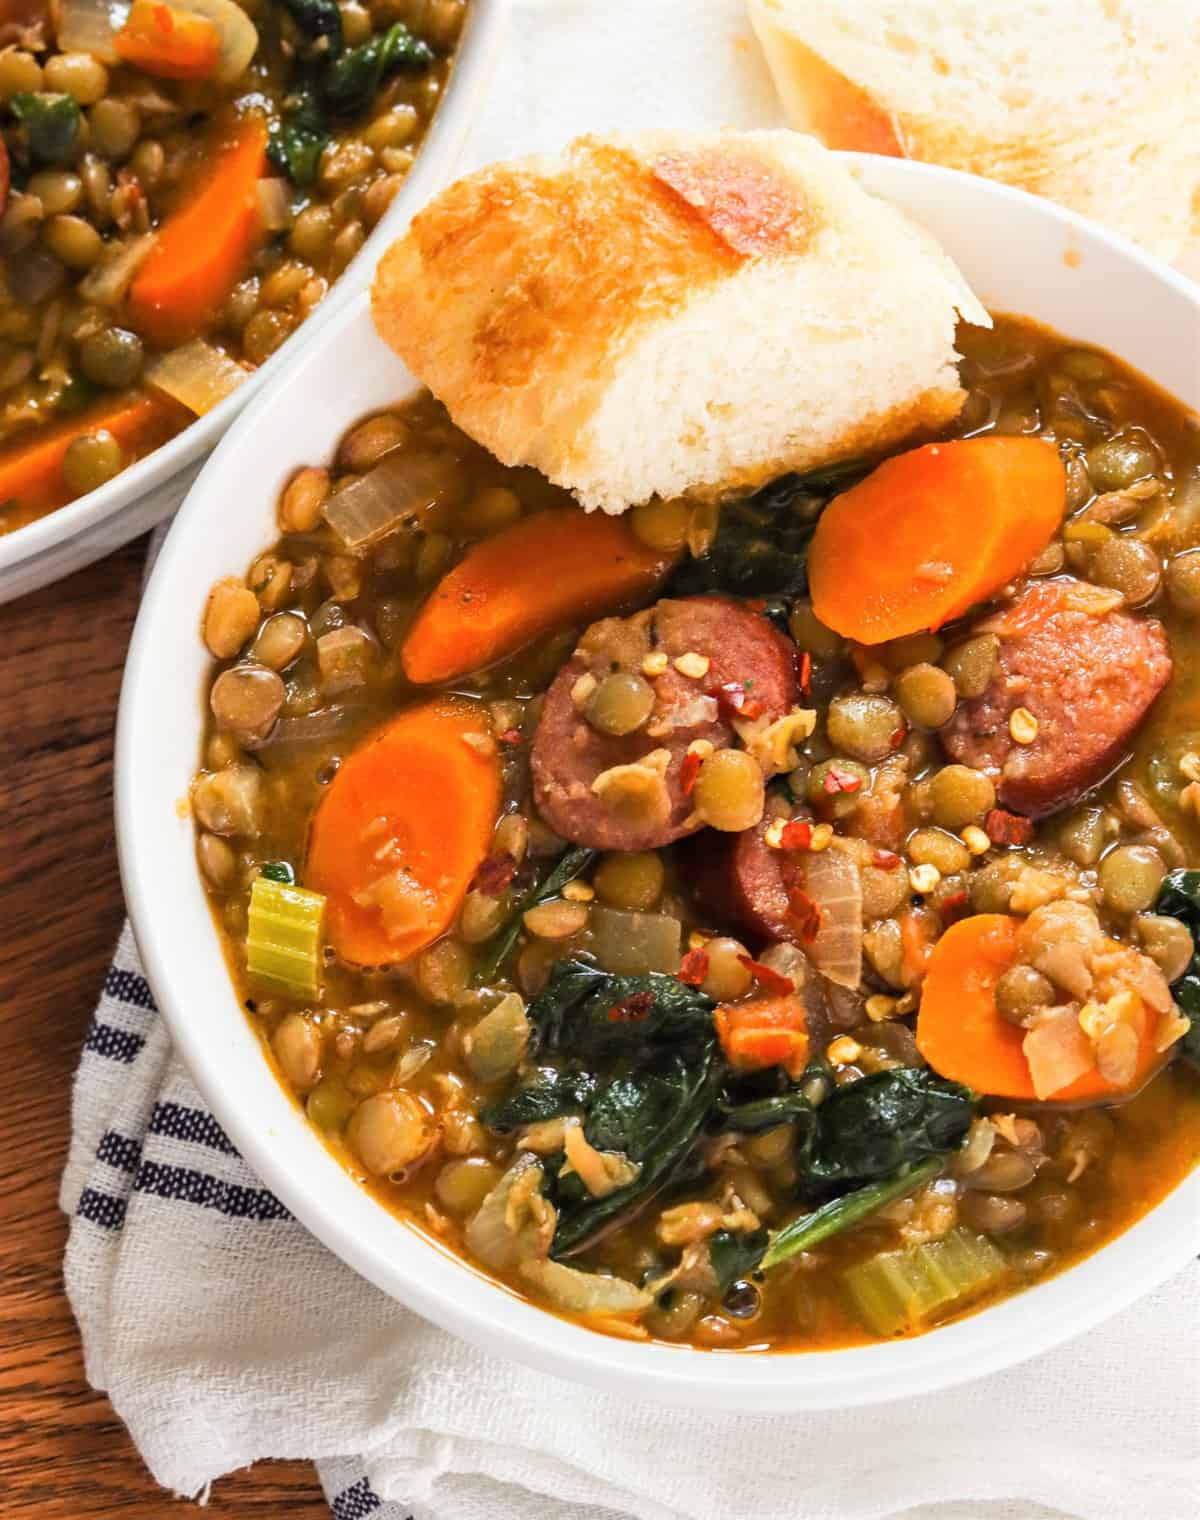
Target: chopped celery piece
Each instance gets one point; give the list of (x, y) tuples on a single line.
[(283, 938), (899, 1291)]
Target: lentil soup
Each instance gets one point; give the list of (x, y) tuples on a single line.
[(690, 967), (180, 183)]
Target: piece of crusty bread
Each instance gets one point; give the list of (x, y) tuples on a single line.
[(1092, 103), (675, 313)]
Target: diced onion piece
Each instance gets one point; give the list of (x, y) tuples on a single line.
[(631, 944), (107, 284), (514, 1221), (275, 204), (1058, 1051), (239, 37), (89, 26), (396, 493), (585, 1292), (197, 374), (831, 879)]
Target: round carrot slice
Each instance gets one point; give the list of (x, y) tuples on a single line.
[(403, 828), (545, 572), (964, 1037), (931, 532)]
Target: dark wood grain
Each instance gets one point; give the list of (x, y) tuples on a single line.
[(63, 1452)]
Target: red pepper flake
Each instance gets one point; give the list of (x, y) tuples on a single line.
[(805, 914), (954, 907), (688, 772), (805, 674), (886, 860), (1007, 828), (838, 780), (898, 737), (769, 980), (733, 702), (631, 1010), (510, 736), (693, 968), (495, 875), (796, 835)]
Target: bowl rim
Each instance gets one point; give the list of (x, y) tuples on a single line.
[(437, 156), (1014, 1329)]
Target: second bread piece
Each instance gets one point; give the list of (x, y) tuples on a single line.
[(675, 313)]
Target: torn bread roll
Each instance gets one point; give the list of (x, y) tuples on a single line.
[(1092, 103), (675, 313)]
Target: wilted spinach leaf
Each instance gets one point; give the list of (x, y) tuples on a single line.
[(1179, 897), (656, 1115), (639, 1062), (551, 1094), (51, 123), (317, 19), (761, 547), (570, 864), (300, 136), (591, 1013), (871, 1128), (352, 81), (735, 1256)]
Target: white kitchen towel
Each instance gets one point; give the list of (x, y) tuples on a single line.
[(224, 1333)]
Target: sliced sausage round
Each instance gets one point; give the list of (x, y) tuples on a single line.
[(1086, 671), (743, 883), (738, 657)]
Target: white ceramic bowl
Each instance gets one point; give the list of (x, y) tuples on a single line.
[(148, 491), (1022, 255)]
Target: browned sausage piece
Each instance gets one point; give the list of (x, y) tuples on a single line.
[(743, 883), (1087, 672), (743, 652)]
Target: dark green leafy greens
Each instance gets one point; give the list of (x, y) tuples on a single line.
[(340, 83), (1179, 897), (870, 1129), (638, 1062), (733, 1257), (352, 81), (279, 870), (318, 19), (51, 123), (570, 864), (851, 1208), (761, 547), (300, 135)]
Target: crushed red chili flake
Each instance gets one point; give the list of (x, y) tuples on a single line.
[(805, 673), (1007, 828), (495, 875), (886, 860), (772, 981), (693, 968), (805, 914), (837, 780), (631, 1010), (688, 772), (733, 702), (510, 736), (898, 737), (796, 835), (954, 907)]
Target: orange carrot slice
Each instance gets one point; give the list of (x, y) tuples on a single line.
[(546, 571), (401, 831), (202, 250), (770, 1031), (31, 469), (962, 1034), (168, 43), (931, 532)]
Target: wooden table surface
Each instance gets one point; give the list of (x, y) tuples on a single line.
[(63, 1452)]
